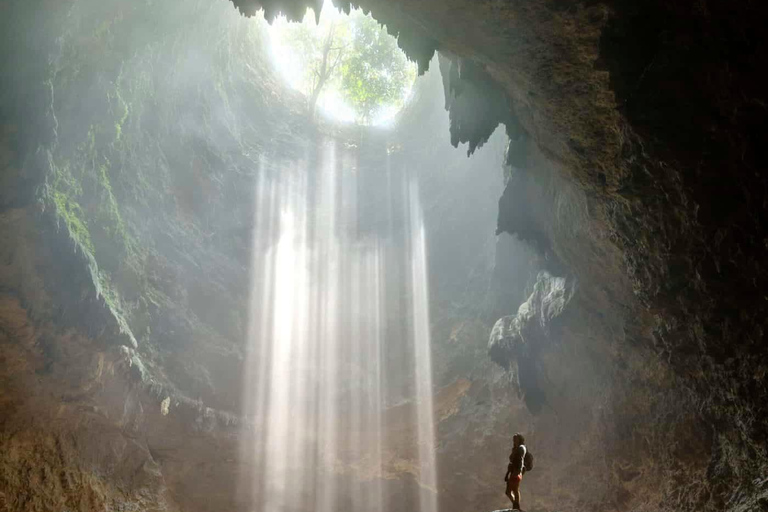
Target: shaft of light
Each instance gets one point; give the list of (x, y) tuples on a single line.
[(317, 383)]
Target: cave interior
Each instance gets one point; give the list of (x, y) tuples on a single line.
[(563, 233)]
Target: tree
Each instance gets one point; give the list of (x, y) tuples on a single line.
[(321, 48), (355, 56), (332, 55), (375, 73)]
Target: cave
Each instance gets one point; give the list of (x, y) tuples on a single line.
[(211, 300)]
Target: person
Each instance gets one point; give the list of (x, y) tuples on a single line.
[(515, 470)]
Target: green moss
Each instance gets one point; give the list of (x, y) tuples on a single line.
[(107, 290), (71, 213), (63, 192), (108, 210), (124, 112), (79, 190), (99, 206)]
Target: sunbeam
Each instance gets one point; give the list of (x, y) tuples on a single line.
[(315, 384)]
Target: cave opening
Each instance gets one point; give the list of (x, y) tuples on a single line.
[(348, 66), (354, 241)]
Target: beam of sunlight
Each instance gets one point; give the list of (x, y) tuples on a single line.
[(327, 341), (422, 355)]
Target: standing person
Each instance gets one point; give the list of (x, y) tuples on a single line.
[(515, 470)]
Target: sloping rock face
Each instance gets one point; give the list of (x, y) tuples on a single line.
[(124, 249), (516, 339)]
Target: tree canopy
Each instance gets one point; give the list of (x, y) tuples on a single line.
[(354, 57)]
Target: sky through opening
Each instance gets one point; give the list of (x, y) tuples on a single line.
[(347, 64)]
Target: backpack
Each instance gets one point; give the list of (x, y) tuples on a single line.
[(528, 460)]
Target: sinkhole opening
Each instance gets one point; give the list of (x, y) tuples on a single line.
[(348, 66)]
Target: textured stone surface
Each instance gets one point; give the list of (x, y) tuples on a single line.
[(515, 340)]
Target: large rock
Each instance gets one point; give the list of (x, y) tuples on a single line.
[(516, 340)]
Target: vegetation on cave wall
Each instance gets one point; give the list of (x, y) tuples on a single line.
[(130, 118)]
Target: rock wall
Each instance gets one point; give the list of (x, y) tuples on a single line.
[(130, 149), (130, 146), (640, 122)]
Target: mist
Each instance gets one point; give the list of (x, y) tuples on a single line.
[(215, 297), (294, 282)]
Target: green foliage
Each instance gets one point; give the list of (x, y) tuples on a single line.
[(117, 81), (355, 56), (63, 193), (71, 213), (320, 49), (80, 188), (80, 191), (375, 72), (123, 116)]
